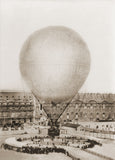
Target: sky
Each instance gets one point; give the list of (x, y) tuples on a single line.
[(94, 20)]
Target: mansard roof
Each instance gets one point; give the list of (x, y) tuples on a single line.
[(94, 98), (79, 98)]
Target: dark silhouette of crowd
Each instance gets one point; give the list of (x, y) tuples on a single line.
[(46, 150), (38, 150), (35, 150)]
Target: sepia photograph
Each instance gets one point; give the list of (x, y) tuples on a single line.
[(57, 79)]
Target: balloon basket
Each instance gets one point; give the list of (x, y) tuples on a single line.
[(53, 131)]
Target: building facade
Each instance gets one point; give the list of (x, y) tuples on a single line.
[(16, 107), (23, 107), (90, 107)]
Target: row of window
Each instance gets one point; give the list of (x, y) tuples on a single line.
[(23, 120), (15, 96), (15, 108), (91, 114), (16, 104), (91, 106)]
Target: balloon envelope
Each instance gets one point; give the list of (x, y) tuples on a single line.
[(54, 62)]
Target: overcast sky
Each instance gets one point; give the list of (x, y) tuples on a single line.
[(94, 20)]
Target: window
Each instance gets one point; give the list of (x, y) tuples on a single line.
[(91, 107), (103, 115), (67, 115), (85, 106), (97, 115), (40, 107), (103, 106), (76, 117), (76, 106)]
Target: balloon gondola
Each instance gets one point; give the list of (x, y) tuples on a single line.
[(54, 62)]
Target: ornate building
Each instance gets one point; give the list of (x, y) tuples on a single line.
[(16, 107), (90, 107), (23, 107)]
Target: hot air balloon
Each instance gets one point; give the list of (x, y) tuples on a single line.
[(54, 62)]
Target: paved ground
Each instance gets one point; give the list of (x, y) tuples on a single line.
[(11, 155), (107, 149), (82, 154)]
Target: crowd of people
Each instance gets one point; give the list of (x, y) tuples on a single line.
[(39, 150), (46, 145), (65, 141)]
